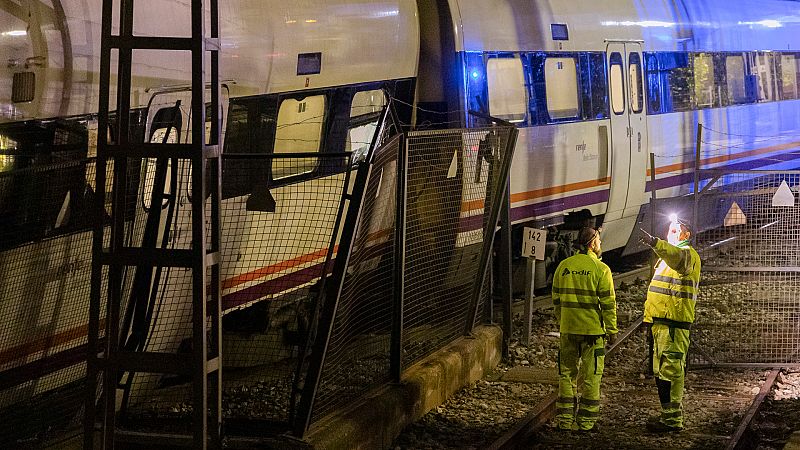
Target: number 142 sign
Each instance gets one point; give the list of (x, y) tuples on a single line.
[(533, 241)]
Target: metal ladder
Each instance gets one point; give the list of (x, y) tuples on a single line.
[(107, 361)]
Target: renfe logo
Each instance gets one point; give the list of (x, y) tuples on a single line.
[(575, 272)]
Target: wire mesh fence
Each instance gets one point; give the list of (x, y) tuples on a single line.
[(277, 232), (357, 359), (454, 178), (749, 299), (46, 259), (281, 218)]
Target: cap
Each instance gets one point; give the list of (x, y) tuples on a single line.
[(585, 236), (686, 224)]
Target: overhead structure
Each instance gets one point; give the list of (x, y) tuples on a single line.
[(113, 258)]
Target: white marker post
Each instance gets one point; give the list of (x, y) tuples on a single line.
[(533, 242)]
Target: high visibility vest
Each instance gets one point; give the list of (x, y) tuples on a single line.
[(583, 296), (672, 294)]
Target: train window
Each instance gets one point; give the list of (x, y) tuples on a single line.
[(561, 87), (8, 147), (44, 184), (653, 84), (617, 83), (594, 85), (150, 167), (250, 129), (679, 77), (704, 80), (789, 76), (635, 82), (761, 64), (367, 102), (365, 112), (507, 96), (735, 79), (298, 130)]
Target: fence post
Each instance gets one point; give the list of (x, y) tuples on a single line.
[(654, 232), (399, 272), (504, 255), (503, 157), (697, 164), (329, 299)]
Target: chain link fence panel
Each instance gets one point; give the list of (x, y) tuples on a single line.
[(279, 217), (749, 299), (46, 260), (454, 178), (357, 359)]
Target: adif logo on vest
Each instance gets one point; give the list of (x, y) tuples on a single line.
[(575, 272)]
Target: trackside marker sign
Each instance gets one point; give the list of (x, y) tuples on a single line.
[(533, 243)]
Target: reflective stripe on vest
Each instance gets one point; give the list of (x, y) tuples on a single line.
[(673, 293)]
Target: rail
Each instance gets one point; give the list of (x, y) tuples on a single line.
[(519, 434)]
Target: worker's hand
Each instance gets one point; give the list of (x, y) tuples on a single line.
[(647, 238), (611, 339)]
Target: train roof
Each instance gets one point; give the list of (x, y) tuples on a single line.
[(662, 25)]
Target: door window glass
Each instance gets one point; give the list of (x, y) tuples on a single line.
[(617, 82), (635, 82)]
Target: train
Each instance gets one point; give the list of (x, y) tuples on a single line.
[(593, 88)]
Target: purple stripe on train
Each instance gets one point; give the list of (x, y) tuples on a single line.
[(688, 178)]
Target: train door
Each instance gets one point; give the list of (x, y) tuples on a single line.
[(628, 130)]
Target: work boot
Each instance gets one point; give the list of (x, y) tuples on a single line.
[(595, 428), (655, 425), (566, 427)]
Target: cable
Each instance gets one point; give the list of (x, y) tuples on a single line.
[(797, 134)]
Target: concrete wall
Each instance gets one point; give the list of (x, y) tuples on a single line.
[(374, 421)]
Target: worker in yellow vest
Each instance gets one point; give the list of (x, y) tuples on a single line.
[(586, 309), (669, 309)]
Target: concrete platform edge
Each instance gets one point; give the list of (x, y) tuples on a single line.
[(377, 419)]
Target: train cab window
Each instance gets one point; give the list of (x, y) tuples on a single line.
[(298, 130), (635, 82), (735, 79), (704, 80), (365, 112), (789, 76), (507, 94), (617, 83), (561, 87)]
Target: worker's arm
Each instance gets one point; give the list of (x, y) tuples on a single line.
[(554, 294), (608, 301), (678, 259)]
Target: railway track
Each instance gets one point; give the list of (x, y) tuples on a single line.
[(707, 391)]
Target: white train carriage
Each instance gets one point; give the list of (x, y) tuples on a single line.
[(594, 88)]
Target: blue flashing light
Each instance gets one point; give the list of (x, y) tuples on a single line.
[(475, 74)]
